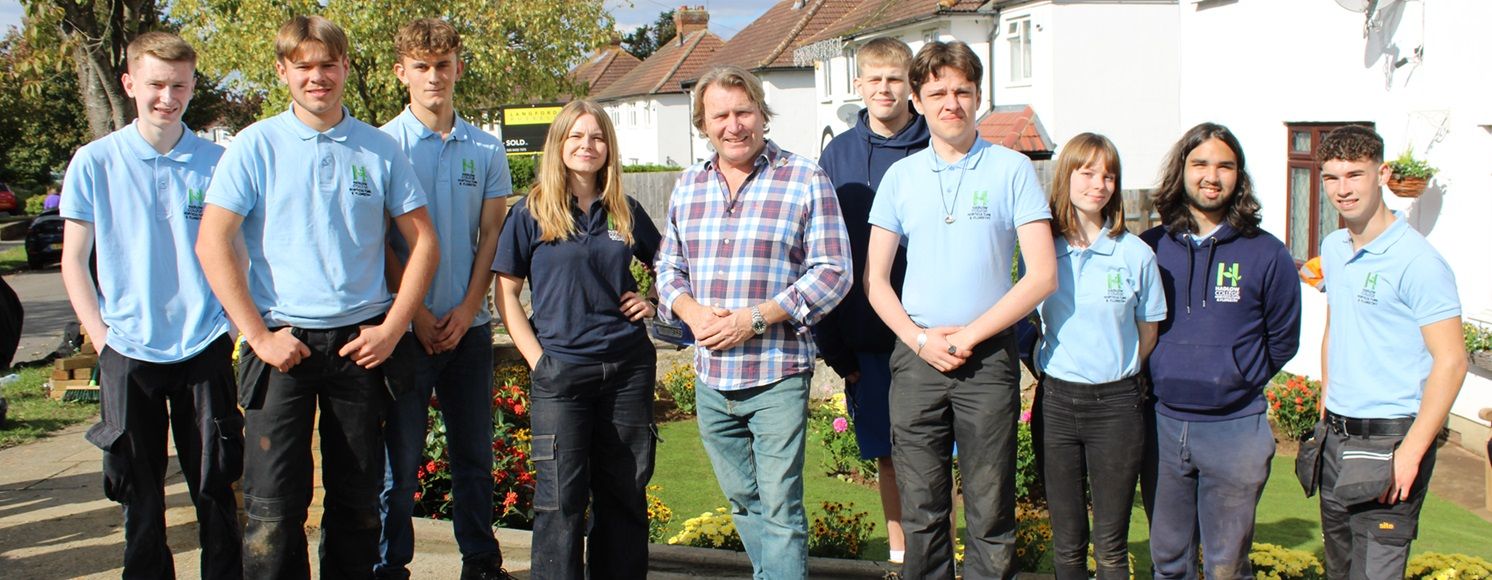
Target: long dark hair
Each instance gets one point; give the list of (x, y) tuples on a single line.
[(1242, 211)]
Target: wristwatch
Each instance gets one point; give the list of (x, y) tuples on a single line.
[(758, 322)]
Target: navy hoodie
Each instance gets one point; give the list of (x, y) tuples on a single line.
[(855, 161), (1234, 321)]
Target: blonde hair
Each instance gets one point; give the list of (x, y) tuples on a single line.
[(729, 76), (549, 200), (426, 37), (162, 45), (302, 29), (1079, 152), (883, 51)]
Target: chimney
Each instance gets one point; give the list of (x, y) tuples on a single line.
[(687, 20)]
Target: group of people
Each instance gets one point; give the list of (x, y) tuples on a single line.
[(355, 263)]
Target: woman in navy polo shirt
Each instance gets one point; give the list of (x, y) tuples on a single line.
[(574, 238), (1100, 325)]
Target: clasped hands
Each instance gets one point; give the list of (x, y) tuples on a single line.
[(946, 349), (717, 328)]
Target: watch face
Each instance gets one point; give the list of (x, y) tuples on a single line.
[(758, 326)]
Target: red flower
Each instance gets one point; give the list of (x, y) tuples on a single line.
[(511, 500), (518, 408), (1299, 400), (417, 496)]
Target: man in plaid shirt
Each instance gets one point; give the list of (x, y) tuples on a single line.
[(755, 253)]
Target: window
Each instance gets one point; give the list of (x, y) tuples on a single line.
[(826, 80), (929, 35), (1018, 34), (1311, 214), (850, 71)]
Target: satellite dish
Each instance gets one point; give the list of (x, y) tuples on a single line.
[(847, 113), (1354, 5)]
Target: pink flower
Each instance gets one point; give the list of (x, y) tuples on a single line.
[(840, 425), (1026, 416)]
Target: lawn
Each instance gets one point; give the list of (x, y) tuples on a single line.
[(1285, 517), (32, 413), (13, 260)]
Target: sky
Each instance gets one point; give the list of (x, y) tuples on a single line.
[(727, 17)]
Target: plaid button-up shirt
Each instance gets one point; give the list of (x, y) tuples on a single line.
[(783, 239)]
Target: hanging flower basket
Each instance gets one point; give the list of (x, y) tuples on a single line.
[(1410, 187)]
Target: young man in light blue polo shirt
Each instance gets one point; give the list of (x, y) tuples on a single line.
[(135, 198), (308, 191), (1394, 363), (954, 371), (464, 171)]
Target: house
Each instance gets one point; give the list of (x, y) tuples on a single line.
[(765, 47), (1415, 71), (607, 66), (1072, 63), (649, 106)]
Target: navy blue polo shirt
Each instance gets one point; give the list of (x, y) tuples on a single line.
[(577, 283)]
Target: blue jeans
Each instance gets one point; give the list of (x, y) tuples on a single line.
[(754, 438), (462, 381), (1208, 476), (593, 448)]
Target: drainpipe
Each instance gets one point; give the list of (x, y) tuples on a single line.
[(994, 31)]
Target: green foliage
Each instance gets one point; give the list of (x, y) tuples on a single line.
[(35, 203), (33, 414), (1433, 566), (643, 275), (41, 117), (678, 382), (525, 170), (1280, 563), (501, 42), (1033, 535), (1477, 338), (1407, 166), (1292, 404), (840, 532), (714, 529), (645, 40), (1027, 480), (649, 168), (829, 422)]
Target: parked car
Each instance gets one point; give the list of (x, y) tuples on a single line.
[(8, 203), (44, 240)]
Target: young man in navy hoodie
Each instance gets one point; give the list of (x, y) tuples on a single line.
[(1234, 302), (1393, 362), (853, 340)]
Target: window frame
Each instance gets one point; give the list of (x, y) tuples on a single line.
[(1018, 35), (1306, 160)]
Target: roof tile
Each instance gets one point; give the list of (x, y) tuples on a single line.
[(662, 72)]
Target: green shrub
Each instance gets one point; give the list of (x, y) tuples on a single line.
[(1027, 480), (524, 169), (1431, 565), (649, 168), (678, 382), (35, 203), (1477, 338), (643, 276), (841, 532), (1281, 563)]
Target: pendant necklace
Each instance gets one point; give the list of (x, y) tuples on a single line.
[(948, 211)]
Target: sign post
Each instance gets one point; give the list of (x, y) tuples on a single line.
[(525, 126)]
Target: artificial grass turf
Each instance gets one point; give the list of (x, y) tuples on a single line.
[(1285, 517)]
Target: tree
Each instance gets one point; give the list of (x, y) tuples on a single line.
[(645, 40), (515, 50), (94, 34), (39, 112)]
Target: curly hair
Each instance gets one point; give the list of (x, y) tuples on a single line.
[(426, 37), (1172, 202), (1351, 143)]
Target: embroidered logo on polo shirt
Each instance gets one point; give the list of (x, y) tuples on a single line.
[(1114, 293), (468, 176), (611, 231), (360, 186), (979, 205), (1231, 275), (1369, 293), (195, 199)]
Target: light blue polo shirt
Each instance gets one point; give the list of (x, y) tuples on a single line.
[(145, 208), (1380, 297), (313, 206), (457, 174), (957, 271), (1091, 322)]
